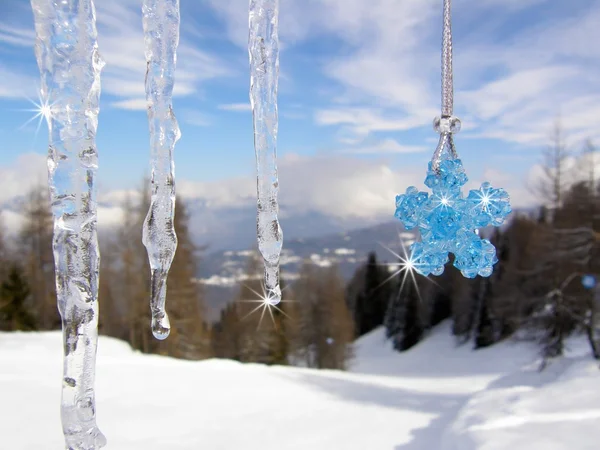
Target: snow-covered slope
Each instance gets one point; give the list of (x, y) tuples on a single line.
[(553, 410), (435, 396)]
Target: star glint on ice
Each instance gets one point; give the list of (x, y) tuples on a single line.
[(43, 110), (265, 303)]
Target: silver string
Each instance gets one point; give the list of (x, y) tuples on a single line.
[(447, 79), (442, 124)]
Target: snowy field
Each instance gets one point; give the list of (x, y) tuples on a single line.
[(435, 396)]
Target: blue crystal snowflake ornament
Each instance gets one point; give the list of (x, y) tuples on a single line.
[(447, 221)]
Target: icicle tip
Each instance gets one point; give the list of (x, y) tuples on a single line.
[(273, 296), (161, 326)]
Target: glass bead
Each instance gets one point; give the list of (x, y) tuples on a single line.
[(450, 124)]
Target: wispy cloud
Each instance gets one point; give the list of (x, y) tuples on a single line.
[(512, 79), (342, 186), (27, 171), (237, 107), (385, 146), (362, 121), (193, 118), (121, 44), (134, 104), (12, 35), (14, 84)]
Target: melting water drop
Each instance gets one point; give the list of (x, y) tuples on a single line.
[(161, 327)]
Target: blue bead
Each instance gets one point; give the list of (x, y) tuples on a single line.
[(408, 206), (489, 206), (427, 260), (448, 222), (588, 281)]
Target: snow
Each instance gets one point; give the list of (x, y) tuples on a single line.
[(344, 251), (435, 396), (320, 261)]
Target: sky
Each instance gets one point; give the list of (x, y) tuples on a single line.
[(359, 88)]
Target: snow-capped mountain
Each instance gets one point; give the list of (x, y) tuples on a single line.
[(222, 271)]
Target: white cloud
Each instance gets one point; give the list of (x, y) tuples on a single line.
[(361, 122), (576, 168), (385, 146), (119, 197), (512, 78), (26, 172), (110, 217), (121, 45), (238, 107), (12, 35), (11, 222), (193, 118), (14, 84), (341, 186), (133, 104), (514, 91)]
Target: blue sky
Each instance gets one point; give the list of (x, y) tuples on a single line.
[(359, 89)]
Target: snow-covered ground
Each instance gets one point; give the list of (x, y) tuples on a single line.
[(436, 396)]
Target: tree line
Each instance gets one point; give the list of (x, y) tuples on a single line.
[(312, 326), (535, 291)]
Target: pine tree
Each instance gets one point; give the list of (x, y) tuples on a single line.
[(4, 254), (440, 298), (14, 292), (404, 317), (227, 338), (560, 244), (131, 277), (110, 320), (281, 322), (256, 326), (189, 338), (372, 301), (35, 246), (484, 333), (413, 329), (335, 350), (394, 316), (323, 325)]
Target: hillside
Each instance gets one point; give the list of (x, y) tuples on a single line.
[(435, 396)]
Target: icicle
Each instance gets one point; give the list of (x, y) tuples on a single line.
[(264, 71), (70, 67), (161, 32)]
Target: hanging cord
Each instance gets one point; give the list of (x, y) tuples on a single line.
[(447, 80), (447, 124)]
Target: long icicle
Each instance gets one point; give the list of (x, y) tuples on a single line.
[(263, 49), (70, 66), (161, 33)]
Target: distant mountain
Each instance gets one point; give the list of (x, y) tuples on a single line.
[(222, 271), (234, 228)]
